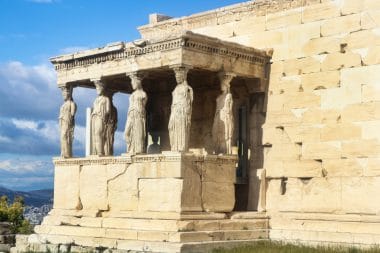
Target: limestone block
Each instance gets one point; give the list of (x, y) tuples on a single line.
[(265, 39), (192, 176), (361, 39), (123, 188), (302, 168), (280, 51), (279, 118), (361, 112), (140, 224), (327, 79), (90, 222), (160, 194), (337, 61), (344, 167), (66, 187), (249, 25), (373, 55), (275, 102), (371, 130), (218, 172), (339, 98), (343, 131), (361, 149), (283, 152), (361, 75), (303, 133), (243, 224), (207, 225), (159, 236), (302, 100), (320, 12), (321, 150), (358, 195), (370, 19), (277, 67), (298, 36), (372, 168), (274, 135), (371, 5), (93, 187), (338, 25), (286, 199), (283, 19), (218, 197), (351, 6), (301, 66), (321, 46), (321, 195), (217, 31), (370, 93), (288, 84)]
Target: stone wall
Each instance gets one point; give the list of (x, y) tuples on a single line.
[(320, 134)]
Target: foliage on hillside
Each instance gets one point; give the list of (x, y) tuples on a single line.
[(273, 247), (13, 213)]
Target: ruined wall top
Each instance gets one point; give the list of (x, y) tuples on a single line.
[(219, 16)]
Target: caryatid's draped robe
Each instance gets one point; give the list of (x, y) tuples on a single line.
[(180, 117), (135, 129), (110, 130), (99, 118), (223, 126), (67, 124)]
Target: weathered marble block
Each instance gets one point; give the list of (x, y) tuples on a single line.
[(169, 182)]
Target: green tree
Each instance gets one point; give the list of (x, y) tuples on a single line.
[(14, 214)]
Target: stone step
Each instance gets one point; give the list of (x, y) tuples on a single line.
[(162, 236), (157, 224), (42, 242)]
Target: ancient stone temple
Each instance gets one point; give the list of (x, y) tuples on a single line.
[(265, 124)]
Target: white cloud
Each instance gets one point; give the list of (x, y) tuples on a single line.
[(21, 166), (25, 124)]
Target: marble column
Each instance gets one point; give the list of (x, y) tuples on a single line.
[(223, 125), (135, 127), (67, 121), (99, 117), (181, 111)]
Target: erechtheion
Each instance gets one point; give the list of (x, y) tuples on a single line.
[(265, 117)]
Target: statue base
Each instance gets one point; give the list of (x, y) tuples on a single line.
[(170, 202)]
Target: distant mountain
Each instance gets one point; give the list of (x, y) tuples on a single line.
[(36, 198)]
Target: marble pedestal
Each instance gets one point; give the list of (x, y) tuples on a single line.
[(170, 202)]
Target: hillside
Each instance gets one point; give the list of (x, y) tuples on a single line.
[(33, 198)]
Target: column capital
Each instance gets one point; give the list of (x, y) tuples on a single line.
[(138, 75), (225, 79)]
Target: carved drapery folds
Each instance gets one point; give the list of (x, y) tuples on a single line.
[(181, 110), (223, 126), (135, 128), (100, 118), (67, 121), (111, 126)]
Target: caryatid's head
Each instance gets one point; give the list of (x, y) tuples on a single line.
[(100, 89), (136, 81), (67, 92), (181, 75)]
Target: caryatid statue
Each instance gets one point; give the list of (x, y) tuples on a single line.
[(223, 126), (111, 126), (181, 110), (67, 122), (99, 118), (135, 128)]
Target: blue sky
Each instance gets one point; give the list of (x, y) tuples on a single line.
[(32, 31)]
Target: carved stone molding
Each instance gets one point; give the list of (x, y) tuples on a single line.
[(188, 41)]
